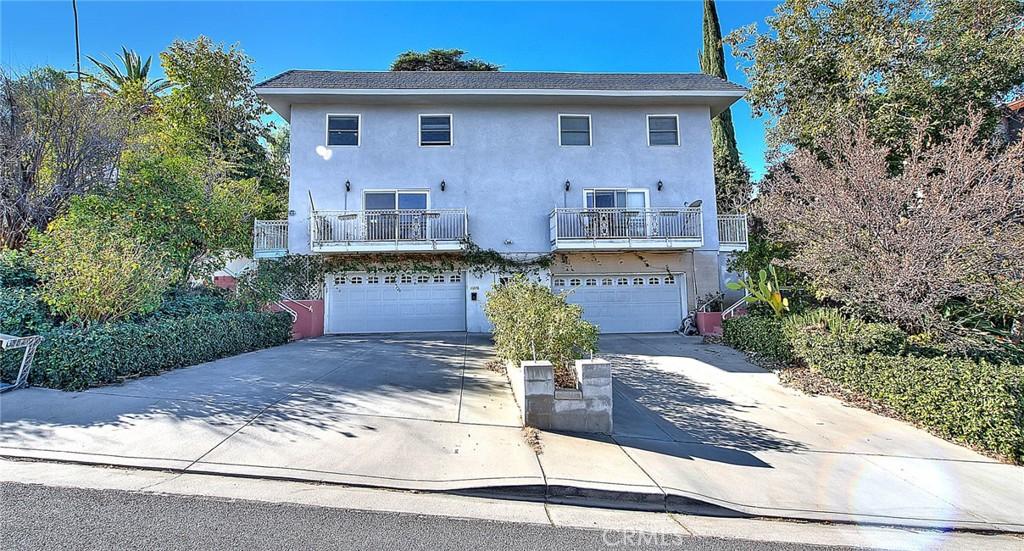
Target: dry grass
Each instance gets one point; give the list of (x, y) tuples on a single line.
[(565, 377), (532, 437), (497, 366)]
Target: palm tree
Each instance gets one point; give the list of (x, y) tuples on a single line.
[(135, 76)]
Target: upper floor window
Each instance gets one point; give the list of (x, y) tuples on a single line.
[(435, 130), (342, 129), (395, 200), (662, 130), (573, 129)]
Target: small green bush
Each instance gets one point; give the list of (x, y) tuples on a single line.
[(972, 402), (759, 335), (826, 331), (16, 270), (22, 313), (530, 322), (182, 302), (73, 358)]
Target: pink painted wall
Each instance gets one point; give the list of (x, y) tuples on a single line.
[(225, 282), (709, 323), (311, 317)]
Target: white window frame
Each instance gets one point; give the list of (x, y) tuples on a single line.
[(590, 129), (451, 129), (327, 128), (679, 136), (645, 191), (396, 191)]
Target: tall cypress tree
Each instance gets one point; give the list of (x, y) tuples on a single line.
[(732, 178), (712, 62)]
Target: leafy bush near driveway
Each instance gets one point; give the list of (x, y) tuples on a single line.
[(22, 313), (974, 402), (530, 322), (760, 335), (75, 358)]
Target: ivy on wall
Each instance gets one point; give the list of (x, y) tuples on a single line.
[(297, 275)]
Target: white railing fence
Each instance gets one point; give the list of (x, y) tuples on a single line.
[(270, 235), (626, 223), (732, 229), (388, 225)]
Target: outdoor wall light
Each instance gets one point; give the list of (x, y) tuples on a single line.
[(660, 185), (696, 203), (567, 185), (442, 185), (348, 186)]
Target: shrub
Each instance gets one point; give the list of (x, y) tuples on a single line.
[(973, 402), (530, 322), (22, 313), (826, 331), (760, 335), (73, 358), (91, 272), (16, 270), (182, 302)]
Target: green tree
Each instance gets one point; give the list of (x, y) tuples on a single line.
[(134, 79), (439, 60), (899, 62), (213, 113), (91, 271), (732, 178)]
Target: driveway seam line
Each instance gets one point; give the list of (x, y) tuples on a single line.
[(462, 378), (262, 411), (664, 494)]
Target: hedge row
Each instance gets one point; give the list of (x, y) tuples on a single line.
[(78, 358), (973, 402), (759, 335)]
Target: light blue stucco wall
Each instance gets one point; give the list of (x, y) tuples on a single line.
[(505, 167)]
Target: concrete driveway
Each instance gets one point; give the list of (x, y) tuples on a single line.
[(702, 428), (410, 411), (698, 429)]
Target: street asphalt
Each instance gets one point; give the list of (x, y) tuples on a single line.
[(44, 517)]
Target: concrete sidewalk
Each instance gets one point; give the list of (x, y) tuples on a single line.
[(698, 430)]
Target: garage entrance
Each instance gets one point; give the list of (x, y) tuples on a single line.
[(626, 303), (395, 303)]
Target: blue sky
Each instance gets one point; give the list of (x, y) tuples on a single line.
[(574, 36)]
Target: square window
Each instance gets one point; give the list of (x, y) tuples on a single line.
[(653, 281), (423, 279), (435, 130), (591, 282), (373, 279), (606, 281), (406, 278), (638, 281), (662, 130), (356, 280), (574, 282), (623, 281), (574, 129), (390, 279), (439, 278), (342, 129), (559, 282)]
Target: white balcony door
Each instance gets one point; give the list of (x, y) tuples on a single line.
[(626, 303), (384, 219), (616, 199), (395, 303)]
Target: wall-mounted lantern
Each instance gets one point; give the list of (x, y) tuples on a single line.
[(442, 185), (567, 185), (348, 186), (660, 185)]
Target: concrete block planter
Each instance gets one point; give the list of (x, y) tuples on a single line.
[(587, 408)]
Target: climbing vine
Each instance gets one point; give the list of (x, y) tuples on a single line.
[(300, 276)]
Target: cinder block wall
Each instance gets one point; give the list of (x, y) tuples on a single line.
[(587, 408)]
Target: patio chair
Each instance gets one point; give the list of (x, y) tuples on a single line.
[(10, 342)]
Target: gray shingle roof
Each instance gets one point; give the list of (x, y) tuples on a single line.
[(496, 80)]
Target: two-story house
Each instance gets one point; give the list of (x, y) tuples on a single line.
[(610, 173)]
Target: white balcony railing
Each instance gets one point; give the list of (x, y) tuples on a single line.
[(269, 238), (732, 231), (625, 228), (388, 230)]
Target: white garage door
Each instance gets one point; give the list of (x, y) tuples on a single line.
[(395, 303), (627, 303)]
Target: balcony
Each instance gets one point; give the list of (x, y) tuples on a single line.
[(361, 231), (732, 232), (269, 238), (612, 229)]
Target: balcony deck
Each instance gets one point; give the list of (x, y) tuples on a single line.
[(368, 231), (732, 232), (616, 229), (269, 238)]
